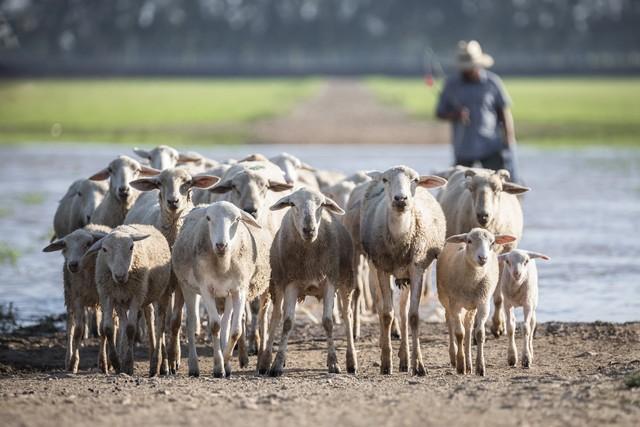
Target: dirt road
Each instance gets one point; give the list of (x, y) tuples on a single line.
[(578, 379)]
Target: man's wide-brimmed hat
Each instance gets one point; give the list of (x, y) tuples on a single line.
[(470, 56)]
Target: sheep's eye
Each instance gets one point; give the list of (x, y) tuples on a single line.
[(104, 249), (469, 241), (79, 194), (508, 262), (526, 262), (385, 180), (109, 170), (208, 218), (131, 247)]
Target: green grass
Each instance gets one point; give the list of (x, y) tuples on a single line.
[(32, 198), (136, 110), (8, 254), (567, 111)]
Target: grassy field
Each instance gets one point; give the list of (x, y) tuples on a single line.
[(564, 111), (129, 110)]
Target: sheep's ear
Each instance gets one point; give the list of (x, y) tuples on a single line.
[(142, 153), (511, 188), (469, 173), (147, 171), (222, 186), (279, 186), (307, 167), (538, 255), (94, 248), (136, 237), (254, 158), (97, 235), (58, 245), (375, 175), (431, 181), (285, 202), (332, 206), (502, 239), (248, 219), (457, 238), (504, 174), (101, 175), (146, 184), (204, 181), (188, 157)]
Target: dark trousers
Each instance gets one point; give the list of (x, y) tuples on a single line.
[(494, 161)]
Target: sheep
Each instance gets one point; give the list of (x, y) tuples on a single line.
[(311, 255), (76, 206), (120, 197), (402, 230), (484, 198), (340, 192), (201, 196), (196, 162), (519, 286), (80, 290), (221, 252), (327, 178), (133, 267), (467, 275), (295, 170), (164, 157)]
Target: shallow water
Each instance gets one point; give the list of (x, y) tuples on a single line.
[(583, 212)]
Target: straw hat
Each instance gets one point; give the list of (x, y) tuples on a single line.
[(470, 56)]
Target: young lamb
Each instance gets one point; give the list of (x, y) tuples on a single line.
[(221, 252), (484, 198), (120, 197), (80, 290), (402, 230), (164, 157), (76, 206), (311, 255), (133, 266), (519, 286), (467, 276)]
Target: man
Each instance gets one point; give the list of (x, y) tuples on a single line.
[(477, 104)]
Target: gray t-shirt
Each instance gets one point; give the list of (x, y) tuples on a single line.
[(482, 137)]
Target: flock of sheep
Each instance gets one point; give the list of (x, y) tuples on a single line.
[(251, 238)]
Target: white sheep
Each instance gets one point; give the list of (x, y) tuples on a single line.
[(484, 198), (311, 255), (164, 157), (519, 286), (77, 205), (120, 197), (295, 170), (467, 276), (133, 267), (221, 252), (196, 162), (80, 290), (402, 230), (202, 196)]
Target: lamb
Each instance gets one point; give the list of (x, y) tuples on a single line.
[(80, 290), (133, 267), (221, 252), (484, 198), (120, 197), (519, 286), (311, 255), (467, 275), (402, 230), (76, 206), (164, 157)]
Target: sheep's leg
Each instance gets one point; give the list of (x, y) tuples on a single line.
[(481, 317), (164, 307), (238, 299), (533, 332), (417, 365), (385, 313), (132, 330), (78, 334), (468, 332), (97, 318), (109, 332), (290, 299), (403, 353), (428, 283), (497, 322), (373, 287), (458, 327), (357, 305), (453, 349), (512, 352), (366, 288), (527, 357), (71, 326), (173, 346), (214, 325), (253, 314), (262, 321), (151, 324), (264, 359), (352, 361), (336, 310), (327, 322), (243, 350), (103, 364), (191, 303), (226, 322)]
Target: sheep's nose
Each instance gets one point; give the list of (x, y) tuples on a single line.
[(123, 191), (482, 260), (221, 247), (251, 211), (400, 198), (120, 278), (483, 218), (73, 266), (308, 231), (88, 219), (173, 203)]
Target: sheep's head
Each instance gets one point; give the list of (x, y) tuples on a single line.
[(290, 166), (480, 244), (486, 191), (162, 157), (120, 173), (248, 190), (400, 183), (223, 219), (87, 198), (307, 206), (74, 246), (116, 250), (517, 263), (175, 186)]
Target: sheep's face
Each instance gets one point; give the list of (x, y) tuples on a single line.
[(223, 219), (175, 187), (289, 166), (116, 249), (121, 172), (306, 211), (517, 263), (88, 197), (486, 191), (74, 246), (163, 157), (480, 245), (400, 185)]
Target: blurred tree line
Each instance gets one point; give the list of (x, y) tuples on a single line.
[(313, 36)]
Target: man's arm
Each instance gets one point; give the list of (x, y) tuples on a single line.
[(506, 120)]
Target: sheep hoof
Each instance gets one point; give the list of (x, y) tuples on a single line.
[(352, 369), (480, 371), (460, 369), (218, 373), (420, 370), (227, 370), (244, 361), (275, 372), (334, 369), (385, 369), (497, 330), (403, 366), (194, 373), (526, 363), (512, 360)]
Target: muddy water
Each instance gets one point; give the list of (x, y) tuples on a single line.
[(583, 212)]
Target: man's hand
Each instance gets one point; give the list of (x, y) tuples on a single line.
[(464, 116)]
